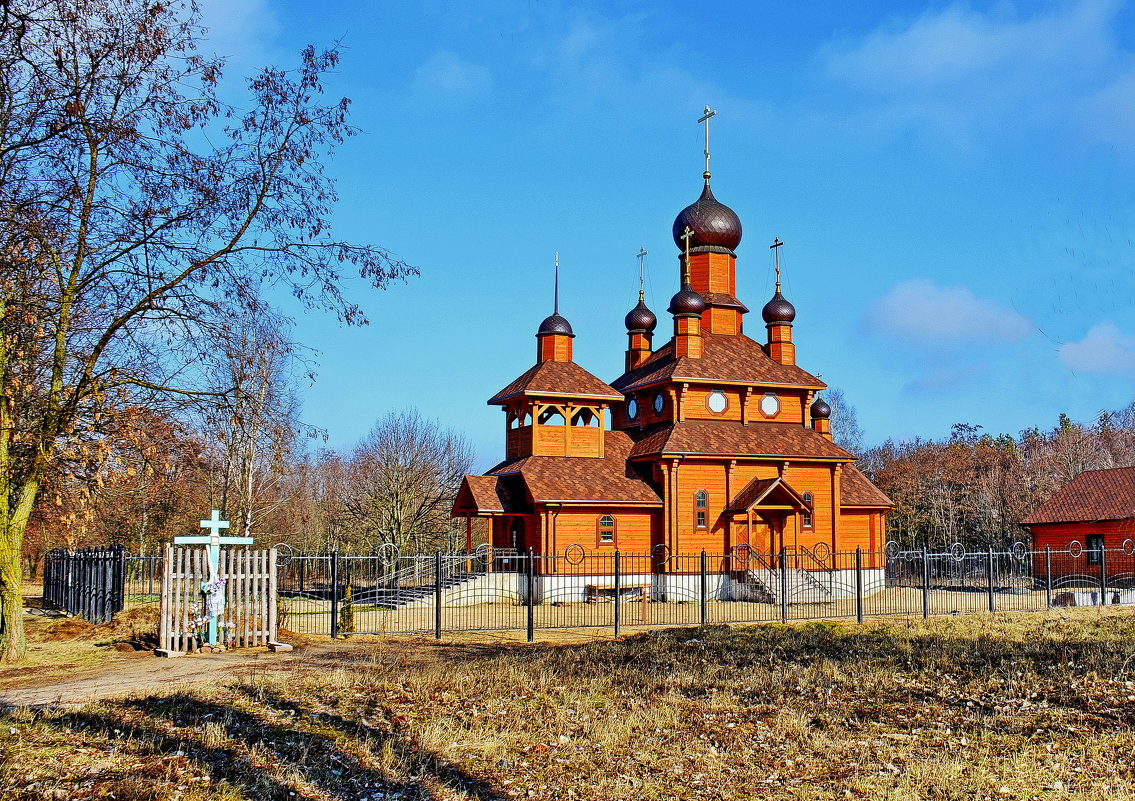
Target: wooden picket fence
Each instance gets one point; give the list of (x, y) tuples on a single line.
[(250, 598)]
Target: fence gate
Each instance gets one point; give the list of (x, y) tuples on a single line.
[(250, 598)]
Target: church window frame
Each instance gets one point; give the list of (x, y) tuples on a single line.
[(701, 509), (717, 397), (605, 529), (809, 500)]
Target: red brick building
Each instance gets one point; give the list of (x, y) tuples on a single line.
[(712, 440)]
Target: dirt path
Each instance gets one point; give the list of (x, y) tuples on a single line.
[(146, 673)]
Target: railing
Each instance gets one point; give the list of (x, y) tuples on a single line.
[(87, 582), (578, 589)]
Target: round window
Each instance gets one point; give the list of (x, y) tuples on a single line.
[(632, 409), (659, 402), (770, 405), (716, 401)]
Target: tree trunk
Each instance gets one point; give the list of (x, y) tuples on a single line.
[(13, 643)]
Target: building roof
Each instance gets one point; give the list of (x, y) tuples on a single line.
[(730, 358), (483, 494), (730, 438), (575, 479), (557, 379), (855, 489), (759, 489), (1089, 497)]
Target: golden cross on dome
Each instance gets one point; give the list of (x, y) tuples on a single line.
[(775, 248), (685, 237), (641, 256), (556, 302), (705, 118)]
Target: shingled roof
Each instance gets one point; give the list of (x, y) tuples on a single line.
[(562, 379), (725, 357), (855, 489), (729, 438), (759, 489), (482, 494), (1089, 497), (610, 480)]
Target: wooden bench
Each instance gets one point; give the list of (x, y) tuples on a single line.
[(595, 590)]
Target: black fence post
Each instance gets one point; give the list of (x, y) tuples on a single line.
[(437, 595), (859, 585), (783, 585), (925, 583), (1103, 575), (120, 579), (618, 593), (989, 580), (530, 595), (335, 594), (1048, 576), (704, 590)]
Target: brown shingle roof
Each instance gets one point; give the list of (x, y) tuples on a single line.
[(729, 438), (566, 379), (482, 494), (760, 488), (577, 479), (726, 357), (1091, 496), (855, 489)]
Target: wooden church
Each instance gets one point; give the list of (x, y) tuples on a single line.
[(712, 440)]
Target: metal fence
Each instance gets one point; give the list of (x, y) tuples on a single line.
[(87, 582), (335, 594)]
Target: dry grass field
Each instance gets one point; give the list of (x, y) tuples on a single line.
[(1025, 706)]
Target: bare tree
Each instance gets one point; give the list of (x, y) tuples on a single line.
[(845, 424), (402, 480), (128, 240)]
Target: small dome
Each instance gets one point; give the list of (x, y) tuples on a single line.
[(778, 310), (820, 409), (687, 301), (555, 324), (714, 224), (640, 318)]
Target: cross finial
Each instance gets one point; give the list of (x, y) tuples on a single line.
[(775, 248), (214, 524), (705, 118), (641, 256), (685, 237), (556, 301)]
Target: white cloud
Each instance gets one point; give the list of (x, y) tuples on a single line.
[(956, 72), (1104, 349), (448, 76), (924, 312)]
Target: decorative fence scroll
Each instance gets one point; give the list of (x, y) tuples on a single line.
[(250, 615)]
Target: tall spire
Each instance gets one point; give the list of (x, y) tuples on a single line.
[(556, 302), (775, 248), (705, 118), (641, 256)]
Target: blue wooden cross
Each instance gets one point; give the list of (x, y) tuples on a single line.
[(213, 542)]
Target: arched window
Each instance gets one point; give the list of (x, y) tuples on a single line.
[(701, 508), (808, 511), (606, 530)]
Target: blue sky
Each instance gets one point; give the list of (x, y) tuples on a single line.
[(953, 181)]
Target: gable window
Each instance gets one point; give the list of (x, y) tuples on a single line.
[(701, 508), (1094, 548), (606, 530), (808, 511)]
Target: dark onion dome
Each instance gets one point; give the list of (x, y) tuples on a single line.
[(687, 301), (555, 324), (820, 409), (640, 318), (715, 225), (778, 310)]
